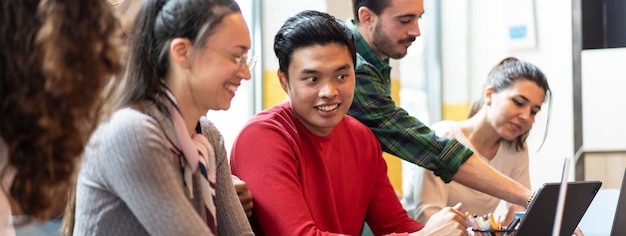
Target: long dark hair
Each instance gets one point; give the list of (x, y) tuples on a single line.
[(56, 56), (157, 23), (506, 73)]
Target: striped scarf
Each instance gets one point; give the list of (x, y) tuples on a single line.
[(199, 157)]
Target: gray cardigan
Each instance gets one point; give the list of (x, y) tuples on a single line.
[(130, 182)]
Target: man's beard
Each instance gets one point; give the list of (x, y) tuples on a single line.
[(386, 45)]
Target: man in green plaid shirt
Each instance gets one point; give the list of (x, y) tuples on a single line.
[(385, 29)]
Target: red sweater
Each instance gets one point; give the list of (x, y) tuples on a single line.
[(304, 184)]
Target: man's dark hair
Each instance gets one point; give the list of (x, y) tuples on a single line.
[(376, 6), (310, 28)]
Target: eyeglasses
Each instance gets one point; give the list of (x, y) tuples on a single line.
[(242, 60)]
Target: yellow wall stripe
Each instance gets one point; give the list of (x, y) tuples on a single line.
[(272, 92), (394, 163), (455, 111)]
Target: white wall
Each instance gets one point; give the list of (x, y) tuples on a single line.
[(455, 33), (487, 45), (274, 13), (603, 82), (340, 9)]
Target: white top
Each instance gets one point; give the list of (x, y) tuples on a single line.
[(6, 221), (434, 194)]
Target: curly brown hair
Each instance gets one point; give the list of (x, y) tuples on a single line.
[(56, 57)]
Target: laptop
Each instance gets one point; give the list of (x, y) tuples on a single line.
[(539, 219), (619, 220)]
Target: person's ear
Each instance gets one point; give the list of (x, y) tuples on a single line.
[(367, 17), (283, 81), (180, 51), (488, 94)]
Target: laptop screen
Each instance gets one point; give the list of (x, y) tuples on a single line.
[(619, 228), (539, 218)]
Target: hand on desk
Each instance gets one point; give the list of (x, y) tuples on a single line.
[(245, 196), (448, 221)]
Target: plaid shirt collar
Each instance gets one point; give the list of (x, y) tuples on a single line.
[(366, 51)]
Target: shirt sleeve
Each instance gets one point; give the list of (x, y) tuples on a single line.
[(401, 134), (231, 218), (140, 170)]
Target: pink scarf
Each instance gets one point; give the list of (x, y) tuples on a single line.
[(199, 156)]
